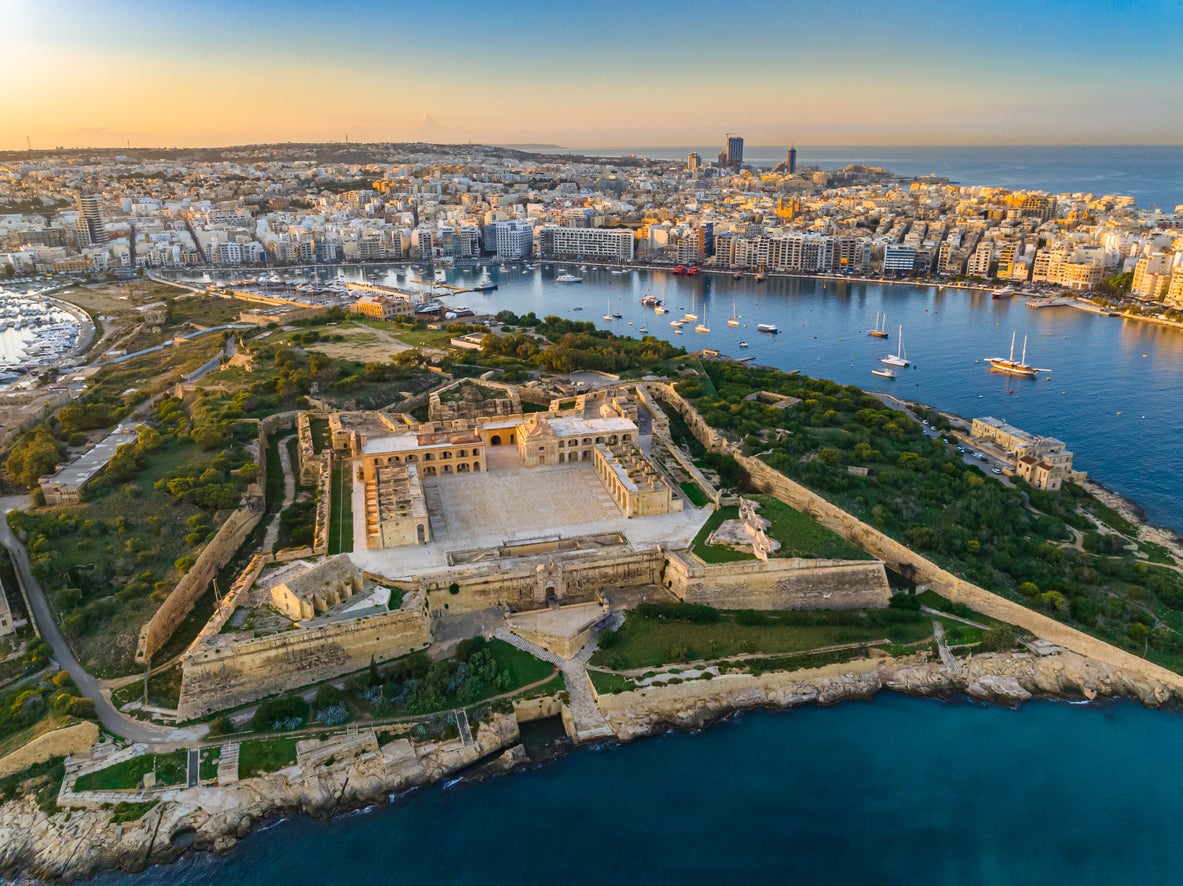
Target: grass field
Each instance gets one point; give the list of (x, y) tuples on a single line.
[(265, 755), (694, 492), (523, 668), (798, 535), (647, 642), (341, 510), (170, 769)]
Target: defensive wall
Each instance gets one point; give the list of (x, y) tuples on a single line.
[(789, 583), (661, 430), (217, 676), (906, 561), (158, 630)]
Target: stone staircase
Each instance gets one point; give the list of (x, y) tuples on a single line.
[(462, 725), (586, 717), (952, 665), (228, 764)]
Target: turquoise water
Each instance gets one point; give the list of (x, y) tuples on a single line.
[(897, 789)]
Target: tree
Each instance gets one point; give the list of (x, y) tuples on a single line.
[(34, 455)]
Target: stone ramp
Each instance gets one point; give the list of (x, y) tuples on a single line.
[(587, 721), (952, 665), (228, 764)]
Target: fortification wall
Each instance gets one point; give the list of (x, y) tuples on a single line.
[(909, 563), (791, 583), (176, 607), (220, 676), (517, 586)]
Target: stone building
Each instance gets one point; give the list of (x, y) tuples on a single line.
[(396, 510), (633, 482), (555, 440), (1044, 462), (382, 307), (318, 589)]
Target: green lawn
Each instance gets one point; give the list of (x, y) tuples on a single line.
[(125, 811), (265, 755), (341, 510), (694, 492), (170, 769), (799, 536), (648, 642), (209, 758), (523, 668)]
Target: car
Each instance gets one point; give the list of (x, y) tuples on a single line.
[(980, 457), (924, 421), (995, 470), (961, 449)]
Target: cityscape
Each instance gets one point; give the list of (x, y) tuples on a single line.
[(373, 485)]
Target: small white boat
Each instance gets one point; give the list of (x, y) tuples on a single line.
[(884, 373), (768, 327), (568, 278), (743, 344), (898, 358)]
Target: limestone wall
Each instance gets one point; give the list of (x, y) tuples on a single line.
[(177, 606), (516, 586), (224, 675), (908, 562), (790, 583)]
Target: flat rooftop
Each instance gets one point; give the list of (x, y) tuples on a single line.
[(95, 459)]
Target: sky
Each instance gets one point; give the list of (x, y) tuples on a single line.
[(108, 73)]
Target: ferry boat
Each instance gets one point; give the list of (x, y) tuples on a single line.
[(568, 278), (1010, 366), (768, 327), (733, 320), (693, 271), (1005, 292), (880, 330), (680, 269), (884, 373), (486, 284), (898, 358)]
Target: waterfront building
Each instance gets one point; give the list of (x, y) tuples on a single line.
[(1152, 275), (511, 240), (1044, 462), (1174, 295), (981, 261), (382, 307), (607, 243), (898, 259)]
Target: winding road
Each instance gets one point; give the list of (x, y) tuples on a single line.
[(92, 688)]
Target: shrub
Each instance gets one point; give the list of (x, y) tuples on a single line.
[(221, 725), (286, 712), (906, 602), (328, 695)]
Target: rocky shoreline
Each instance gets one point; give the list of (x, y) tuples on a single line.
[(80, 842)]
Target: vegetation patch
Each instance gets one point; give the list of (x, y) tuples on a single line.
[(258, 757), (799, 536), (128, 775), (133, 811)]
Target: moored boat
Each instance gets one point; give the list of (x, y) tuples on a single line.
[(768, 327), (1011, 366)]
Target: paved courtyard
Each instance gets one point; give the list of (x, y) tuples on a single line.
[(514, 501), (511, 502)]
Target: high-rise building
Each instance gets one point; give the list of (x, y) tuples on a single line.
[(791, 161), (693, 161), (734, 152), (90, 221)]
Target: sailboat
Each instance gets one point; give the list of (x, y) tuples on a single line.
[(880, 330), (690, 315), (608, 313), (703, 327), (898, 358), (1010, 366), (733, 320)]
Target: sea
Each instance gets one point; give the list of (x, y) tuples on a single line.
[(896, 789), (1151, 174)]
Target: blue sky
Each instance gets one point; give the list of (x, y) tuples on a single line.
[(106, 72)]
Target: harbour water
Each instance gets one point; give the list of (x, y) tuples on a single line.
[(894, 790), (1112, 394)]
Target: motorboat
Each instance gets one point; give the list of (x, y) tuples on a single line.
[(568, 278), (768, 327), (884, 373)]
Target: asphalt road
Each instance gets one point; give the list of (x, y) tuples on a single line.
[(112, 720)]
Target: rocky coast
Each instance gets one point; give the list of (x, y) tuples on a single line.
[(356, 770)]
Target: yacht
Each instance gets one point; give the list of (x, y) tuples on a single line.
[(608, 315), (568, 278), (880, 330), (883, 373), (441, 276), (660, 309), (733, 320), (898, 358), (1012, 367), (768, 327)]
